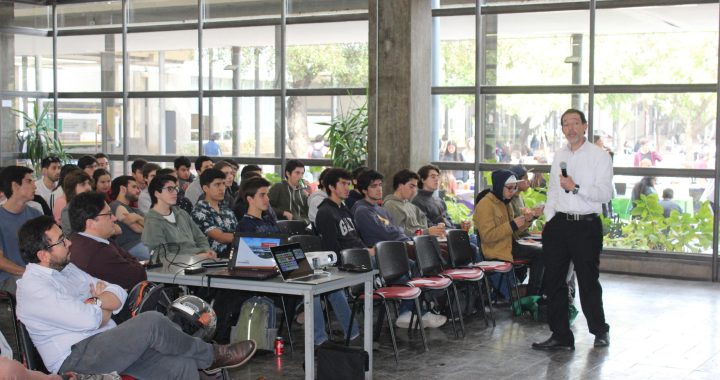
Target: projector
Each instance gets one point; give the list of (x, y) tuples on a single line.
[(321, 259)]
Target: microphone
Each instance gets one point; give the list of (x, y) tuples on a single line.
[(563, 169)]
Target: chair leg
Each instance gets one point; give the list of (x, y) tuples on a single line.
[(489, 298), (326, 313), (482, 304), (422, 330), (460, 314), (378, 324), (287, 323), (452, 313), (392, 331), (352, 318)]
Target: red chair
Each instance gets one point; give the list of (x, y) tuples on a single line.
[(359, 257)]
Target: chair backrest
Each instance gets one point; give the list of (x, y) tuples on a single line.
[(427, 254), (392, 260), (356, 257), (309, 243), (459, 249), (9, 298), (31, 356), (293, 227)]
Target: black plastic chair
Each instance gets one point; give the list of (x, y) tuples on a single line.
[(293, 227), (309, 243)]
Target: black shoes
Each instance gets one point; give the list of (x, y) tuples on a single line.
[(553, 344), (602, 340)]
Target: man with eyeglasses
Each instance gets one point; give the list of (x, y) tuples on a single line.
[(496, 225), (212, 215), (67, 313), (580, 182), (93, 251), (18, 186), (166, 223)]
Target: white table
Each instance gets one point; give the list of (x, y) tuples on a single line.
[(175, 275)]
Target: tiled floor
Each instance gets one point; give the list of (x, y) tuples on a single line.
[(660, 329)]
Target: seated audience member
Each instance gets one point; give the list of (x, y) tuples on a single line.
[(148, 172), (317, 197), (166, 223), (517, 203), (182, 201), (256, 195), (495, 228), (67, 315), (57, 197), (103, 161), (212, 215), (50, 173), (182, 166), (92, 250), (229, 171), (355, 195), (404, 213), (136, 172), (88, 164), (668, 204), (234, 186), (374, 223), (249, 169), (288, 198), (426, 200), (194, 190), (241, 206), (102, 183), (18, 186), (75, 183), (130, 219)]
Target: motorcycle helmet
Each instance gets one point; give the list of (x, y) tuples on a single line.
[(195, 316)]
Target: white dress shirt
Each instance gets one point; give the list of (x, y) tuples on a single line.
[(591, 168), (144, 201), (51, 305)]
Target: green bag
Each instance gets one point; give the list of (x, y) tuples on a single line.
[(257, 321), (529, 304)]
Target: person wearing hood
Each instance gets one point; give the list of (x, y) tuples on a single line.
[(407, 215), (288, 198), (495, 223)]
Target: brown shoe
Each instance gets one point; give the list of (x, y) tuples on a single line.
[(232, 355)]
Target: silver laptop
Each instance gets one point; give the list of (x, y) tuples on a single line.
[(294, 266)]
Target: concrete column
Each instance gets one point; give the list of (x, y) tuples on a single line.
[(8, 142), (402, 136)]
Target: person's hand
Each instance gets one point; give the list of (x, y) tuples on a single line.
[(207, 255), (372, 251), (97, 289), (465, 225), (519, 221), (288, 215), (538, 211), (567, 183), (436, 230)]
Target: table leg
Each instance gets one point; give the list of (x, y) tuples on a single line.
[(368, 321), (309, 335)]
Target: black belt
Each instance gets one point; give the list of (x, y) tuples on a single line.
[(577, 217)]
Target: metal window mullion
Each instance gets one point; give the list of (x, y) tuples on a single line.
[(716, 195), (55, 73), (591, 68), (200, 76), (376, 84), (125, 75), (283, 82), (479, 98)]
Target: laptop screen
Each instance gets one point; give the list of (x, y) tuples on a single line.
[(291, 260), (261, 245)]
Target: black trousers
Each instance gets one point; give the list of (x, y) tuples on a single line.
[(537, 268), (581, 242)]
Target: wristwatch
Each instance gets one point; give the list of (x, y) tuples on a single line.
[(576, 189), (94, 301)]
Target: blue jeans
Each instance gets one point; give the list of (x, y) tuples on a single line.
[(342, 312), (140, 251)]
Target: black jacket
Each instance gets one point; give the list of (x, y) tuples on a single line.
[(336, 227)]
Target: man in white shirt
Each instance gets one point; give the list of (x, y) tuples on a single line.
[(194, 190), (580, 182), (50, 173), (148, 172), (67, 314)]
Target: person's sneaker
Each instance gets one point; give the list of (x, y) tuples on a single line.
[(431, 320), (96, 376), (403, 320), (232, 355)]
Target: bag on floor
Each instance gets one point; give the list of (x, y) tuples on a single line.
[(258, 321), (337, 361)]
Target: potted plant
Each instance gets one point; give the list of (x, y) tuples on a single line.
[(37, 140), (347, 138)]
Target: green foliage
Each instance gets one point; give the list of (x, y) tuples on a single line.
[(650, 230), (273, 177), (347, 138), (37, 140), (458, 211)]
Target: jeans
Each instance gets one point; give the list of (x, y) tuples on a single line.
[(342, 312), (140, 251)]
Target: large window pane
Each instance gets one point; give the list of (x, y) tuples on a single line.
[(89, 15), (12, 123), (164, 126), (26, 15), (455, 57), (674, 130), (304, 113), (162, 12), (240, 10), (33, 64), (688, 231), (454, 128), (327, 55), (245, 126), (89, 63), (305, 8), (526, 128), (549, 48), (657, 45), (163, 61), (240, 58), (84, 123)]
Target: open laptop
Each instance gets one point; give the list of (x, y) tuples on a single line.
[(294, 266), (250, 257)]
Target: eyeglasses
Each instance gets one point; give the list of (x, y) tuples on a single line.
[(171, 189), (60, 241), (511, 188), (104, 214)]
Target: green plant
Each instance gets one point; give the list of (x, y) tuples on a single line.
[(458, 211), (37, 140), (347, 138)]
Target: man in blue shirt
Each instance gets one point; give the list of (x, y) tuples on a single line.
[(212, 148)]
